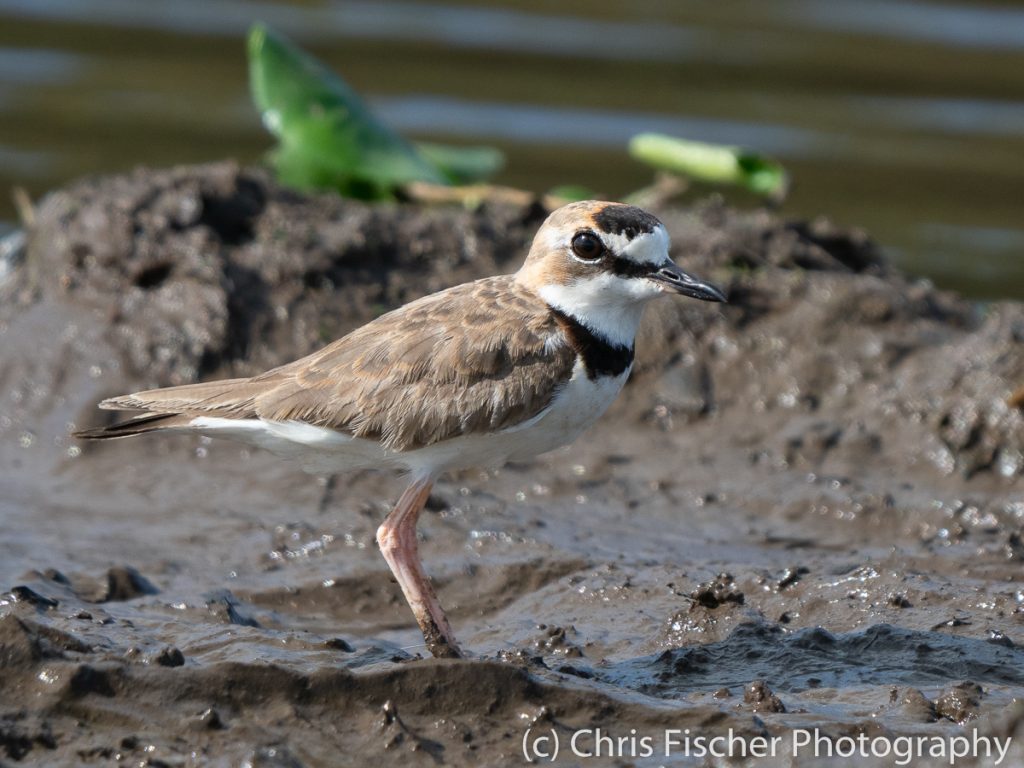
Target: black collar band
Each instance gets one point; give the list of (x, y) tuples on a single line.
[(600, 356)]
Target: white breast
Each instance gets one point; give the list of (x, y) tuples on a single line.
[(575, 408)]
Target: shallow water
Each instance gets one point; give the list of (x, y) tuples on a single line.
[(906, 118)]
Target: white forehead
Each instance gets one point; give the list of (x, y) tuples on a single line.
[(643, 248)]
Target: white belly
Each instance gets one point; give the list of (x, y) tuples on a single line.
[(574, 409), (319, 449)]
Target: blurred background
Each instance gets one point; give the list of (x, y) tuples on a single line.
[(905, 117)]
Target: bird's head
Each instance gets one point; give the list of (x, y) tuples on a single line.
[(592, 259)]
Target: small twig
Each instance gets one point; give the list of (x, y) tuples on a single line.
[(666, 186), (23, 205), (475, 195), (1016, 400)]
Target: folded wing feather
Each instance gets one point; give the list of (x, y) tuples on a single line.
[(479, 357)]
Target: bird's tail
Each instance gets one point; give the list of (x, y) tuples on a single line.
[(147, 422), (173, 407)]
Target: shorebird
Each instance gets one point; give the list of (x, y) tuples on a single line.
[(503, 368)]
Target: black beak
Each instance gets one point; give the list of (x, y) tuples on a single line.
[(677, 281)]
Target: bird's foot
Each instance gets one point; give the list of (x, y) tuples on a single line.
[(441, 644)]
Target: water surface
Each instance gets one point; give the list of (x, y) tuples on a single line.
[(906, 118)]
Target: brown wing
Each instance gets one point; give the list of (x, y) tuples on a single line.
[(475, 358)]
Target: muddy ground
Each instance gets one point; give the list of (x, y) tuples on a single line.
[(805, 511)]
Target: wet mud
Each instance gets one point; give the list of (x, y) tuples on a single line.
[(805, 510)]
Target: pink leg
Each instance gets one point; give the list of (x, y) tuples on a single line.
[(397, 540)]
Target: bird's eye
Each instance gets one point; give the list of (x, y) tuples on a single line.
[(587, 246)]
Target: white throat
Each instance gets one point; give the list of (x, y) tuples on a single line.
[(602, 306)]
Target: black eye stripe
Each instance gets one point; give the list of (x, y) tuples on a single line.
[(583, 243), (622, 267)]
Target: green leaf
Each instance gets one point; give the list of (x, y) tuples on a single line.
[(463, 165), (572, 192), (328, 136), (711, 163)]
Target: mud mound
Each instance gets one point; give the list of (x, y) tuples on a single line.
[(216, 270)]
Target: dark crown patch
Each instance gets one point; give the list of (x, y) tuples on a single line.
[(625, 220)]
